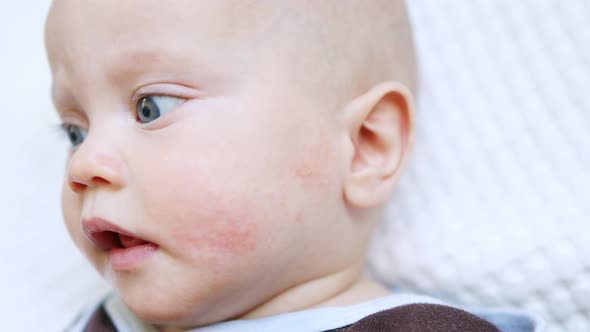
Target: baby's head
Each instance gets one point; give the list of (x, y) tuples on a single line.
[(230, 158)]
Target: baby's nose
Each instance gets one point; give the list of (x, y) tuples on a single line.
[(92, 168)]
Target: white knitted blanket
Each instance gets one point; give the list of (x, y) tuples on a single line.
[(495, 207)]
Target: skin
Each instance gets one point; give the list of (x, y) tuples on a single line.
[(261, 188)]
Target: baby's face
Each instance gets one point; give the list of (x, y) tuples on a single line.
[(193, 139)]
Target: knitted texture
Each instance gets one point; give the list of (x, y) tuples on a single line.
[(493, 209)]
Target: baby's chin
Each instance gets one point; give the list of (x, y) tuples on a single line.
[(169, 308), (173, 299)]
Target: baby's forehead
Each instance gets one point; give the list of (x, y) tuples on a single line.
[(312, 37), (97, 30), (216, 19), (142, 32), (139, 32)]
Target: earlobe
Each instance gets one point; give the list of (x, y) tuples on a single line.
[(381, 129)]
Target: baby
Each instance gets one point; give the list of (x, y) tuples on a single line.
[(231, 158)]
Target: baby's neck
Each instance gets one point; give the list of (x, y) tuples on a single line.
[(343, 288), (339, 289)]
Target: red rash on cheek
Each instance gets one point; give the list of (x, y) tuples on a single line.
[(299, 217), (202, 219), (219, 236)]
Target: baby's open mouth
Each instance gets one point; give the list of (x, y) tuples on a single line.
[(125, 250), (130, 241), (108, 236), (107, 240)]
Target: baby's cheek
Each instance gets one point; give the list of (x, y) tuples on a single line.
[(214, 206), (219, 240), (218, 232), (211, 223), (315, 166)]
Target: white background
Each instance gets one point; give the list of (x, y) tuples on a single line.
[(43, 279)]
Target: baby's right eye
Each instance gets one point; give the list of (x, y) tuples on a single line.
[(76, 134)]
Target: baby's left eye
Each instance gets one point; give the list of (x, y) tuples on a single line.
[(149, 108), (76, 134)]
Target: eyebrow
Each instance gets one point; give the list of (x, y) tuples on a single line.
[(135, 61), (190, 66)]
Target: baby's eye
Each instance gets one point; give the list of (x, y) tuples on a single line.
[(76, 134), (149, 108)]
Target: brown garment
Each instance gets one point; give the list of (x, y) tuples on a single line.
[(420, 318), (100, 322)]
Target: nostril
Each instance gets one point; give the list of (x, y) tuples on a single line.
[(78, 187), (99, 180)]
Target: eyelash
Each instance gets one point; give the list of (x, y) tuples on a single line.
[(60, 130)]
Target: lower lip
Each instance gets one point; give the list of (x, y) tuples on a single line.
[(126, 259)]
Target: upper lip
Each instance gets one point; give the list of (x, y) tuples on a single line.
[(104, 233)]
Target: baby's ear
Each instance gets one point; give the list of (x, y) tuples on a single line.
[(380, 126)]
